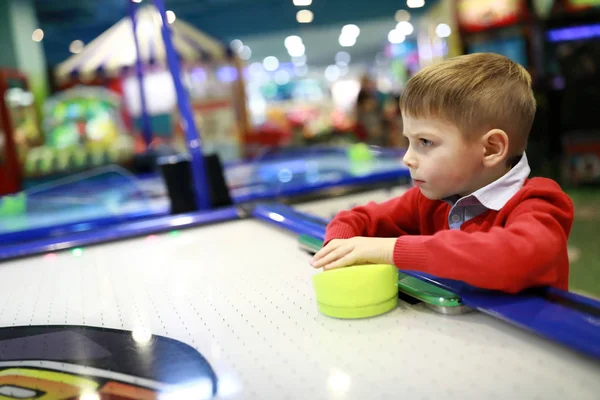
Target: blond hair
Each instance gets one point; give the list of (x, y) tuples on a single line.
[(477, 93)]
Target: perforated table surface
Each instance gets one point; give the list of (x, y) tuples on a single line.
[(241, 294)]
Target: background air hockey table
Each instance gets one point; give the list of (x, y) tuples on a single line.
[(90, 200), (252, 314), (293, 174), (111, 195)]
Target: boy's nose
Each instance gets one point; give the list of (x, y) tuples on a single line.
[(409, 159)]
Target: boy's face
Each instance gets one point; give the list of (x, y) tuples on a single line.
[(441, 160)]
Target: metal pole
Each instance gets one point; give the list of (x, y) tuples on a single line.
[(146, 128), (193, 138)]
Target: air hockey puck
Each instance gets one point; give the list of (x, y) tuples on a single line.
[(357, 292)]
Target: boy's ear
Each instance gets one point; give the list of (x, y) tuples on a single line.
[(495, 146)]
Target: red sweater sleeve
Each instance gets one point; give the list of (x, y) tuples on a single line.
[(395, 217), (523, 253)]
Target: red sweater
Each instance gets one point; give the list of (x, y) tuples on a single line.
[(522, 245)]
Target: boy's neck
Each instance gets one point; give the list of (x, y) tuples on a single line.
[(487, 177)]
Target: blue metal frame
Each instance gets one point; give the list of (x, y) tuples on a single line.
[(139, 68), (558, 315), (533, 311), (287, 218), (193, 138), (118, 232), (74, 227)]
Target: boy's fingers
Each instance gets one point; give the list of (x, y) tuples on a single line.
[(346, 261), (334, 244), (332, 256)]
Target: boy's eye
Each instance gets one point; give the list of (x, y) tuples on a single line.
[(425, 142)]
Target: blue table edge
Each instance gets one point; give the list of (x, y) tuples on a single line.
[(27, 235), (117, 232)]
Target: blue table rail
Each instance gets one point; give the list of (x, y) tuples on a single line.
[(118, 232)]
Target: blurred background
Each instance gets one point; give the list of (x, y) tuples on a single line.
[(273, 75)]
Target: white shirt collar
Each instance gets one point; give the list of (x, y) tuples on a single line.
[(495, 195)]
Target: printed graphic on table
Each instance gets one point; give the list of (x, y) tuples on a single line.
[(86, 363)]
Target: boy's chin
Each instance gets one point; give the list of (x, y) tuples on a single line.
[(431, 195)]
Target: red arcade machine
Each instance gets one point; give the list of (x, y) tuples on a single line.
[(498, 26), (18, 127)]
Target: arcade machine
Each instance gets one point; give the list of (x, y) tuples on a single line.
[(498, 26), (82, 130), (18, 129), (572, 56)]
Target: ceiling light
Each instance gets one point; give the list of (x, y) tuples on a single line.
[(304, 16), (351, 30), (236, 44), (76, 46), (302, 3), (292, 41), (171, 17), (297, 50), (342, 57), (415, 3), (245, 52), (347, 41), (402, 15), (37, 35), (395, 36), (271, 63), (405, 27), (443, 30), (332, 73)]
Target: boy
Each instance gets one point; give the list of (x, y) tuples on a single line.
[(473, 215)]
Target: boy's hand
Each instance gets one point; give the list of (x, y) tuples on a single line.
[(341, 253)]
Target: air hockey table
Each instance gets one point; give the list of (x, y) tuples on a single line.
[(111, 195), (239, 293), (290, 175)]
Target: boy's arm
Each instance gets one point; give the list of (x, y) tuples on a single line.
[(393, 218), (519, 255)]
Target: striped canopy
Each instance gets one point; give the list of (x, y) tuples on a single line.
[(114, 50)]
